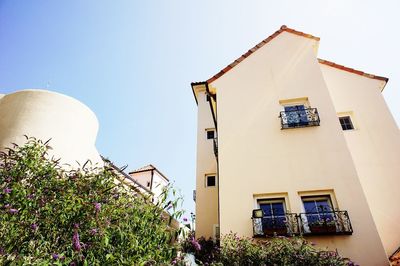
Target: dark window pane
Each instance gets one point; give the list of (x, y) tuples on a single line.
[(346, 123), (323, 206), (309, 206), (210, 181), (278, 209), (210, 134), (266, 209)]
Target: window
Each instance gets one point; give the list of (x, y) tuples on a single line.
[(211, 180), (318, 210), (274, 215), (345, 122), (210, 133), (296, 115)]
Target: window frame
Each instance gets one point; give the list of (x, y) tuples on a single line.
[(206, 180), (271, 201)]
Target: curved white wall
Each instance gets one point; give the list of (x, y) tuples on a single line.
[(42, 114)]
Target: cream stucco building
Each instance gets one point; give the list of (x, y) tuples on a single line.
[(290, 144)]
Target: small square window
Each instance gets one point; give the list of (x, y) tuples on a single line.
[(345, 122), (210, 181), (210, 134)]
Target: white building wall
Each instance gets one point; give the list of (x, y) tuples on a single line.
[(71, 126), (374, 145), (256, 157), (206, 197)]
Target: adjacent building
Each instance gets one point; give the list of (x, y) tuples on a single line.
[(69, 124), (151, 178), (290, 144)]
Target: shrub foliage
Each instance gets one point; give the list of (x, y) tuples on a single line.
[(49, 215), (237, 251)]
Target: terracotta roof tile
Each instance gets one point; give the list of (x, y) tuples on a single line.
[(258, 46), (144, 168), (351, 70), (148, 167), (268, 39)]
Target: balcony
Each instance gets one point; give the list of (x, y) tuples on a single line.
[(283, 225), (326, 223), (289, 224), (299, 117)]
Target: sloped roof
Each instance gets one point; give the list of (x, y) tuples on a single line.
[(351, 70), (122, 173), (284, 28), (146, 168), (258, 46)]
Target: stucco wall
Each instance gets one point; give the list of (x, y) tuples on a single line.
[(206, 197), (257, 157), (71, 126), (374, 145)]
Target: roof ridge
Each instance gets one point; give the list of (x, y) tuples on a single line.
[(148, 167), (258, 46), (351, 70)]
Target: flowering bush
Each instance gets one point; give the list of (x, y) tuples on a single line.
[(236, 250), (205, 251), (79, 217)]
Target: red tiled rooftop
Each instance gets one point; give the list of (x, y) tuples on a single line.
[(146, 168), (299, 33), (351, 70), (258, 46)]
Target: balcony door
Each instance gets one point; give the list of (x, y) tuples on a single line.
[(318, 211), (274, 213)]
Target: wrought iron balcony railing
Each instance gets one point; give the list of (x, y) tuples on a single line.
[(282, 225), (289, 224), (215, 148), (306, 117), (326, 223)]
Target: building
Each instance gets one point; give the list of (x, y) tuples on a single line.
[(71, 125), (291, 144), (151, 178)]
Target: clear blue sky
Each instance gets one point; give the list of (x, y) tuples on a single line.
[(132, 62)]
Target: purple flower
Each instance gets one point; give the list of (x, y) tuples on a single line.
[(34, 227), (195, 244), (7, 190), (185, 219), (7, 206), (97, 206), (55, 256), (76, 226), (76, 245), (30, 196), (72, 263), (13, 211), (93, 231)]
